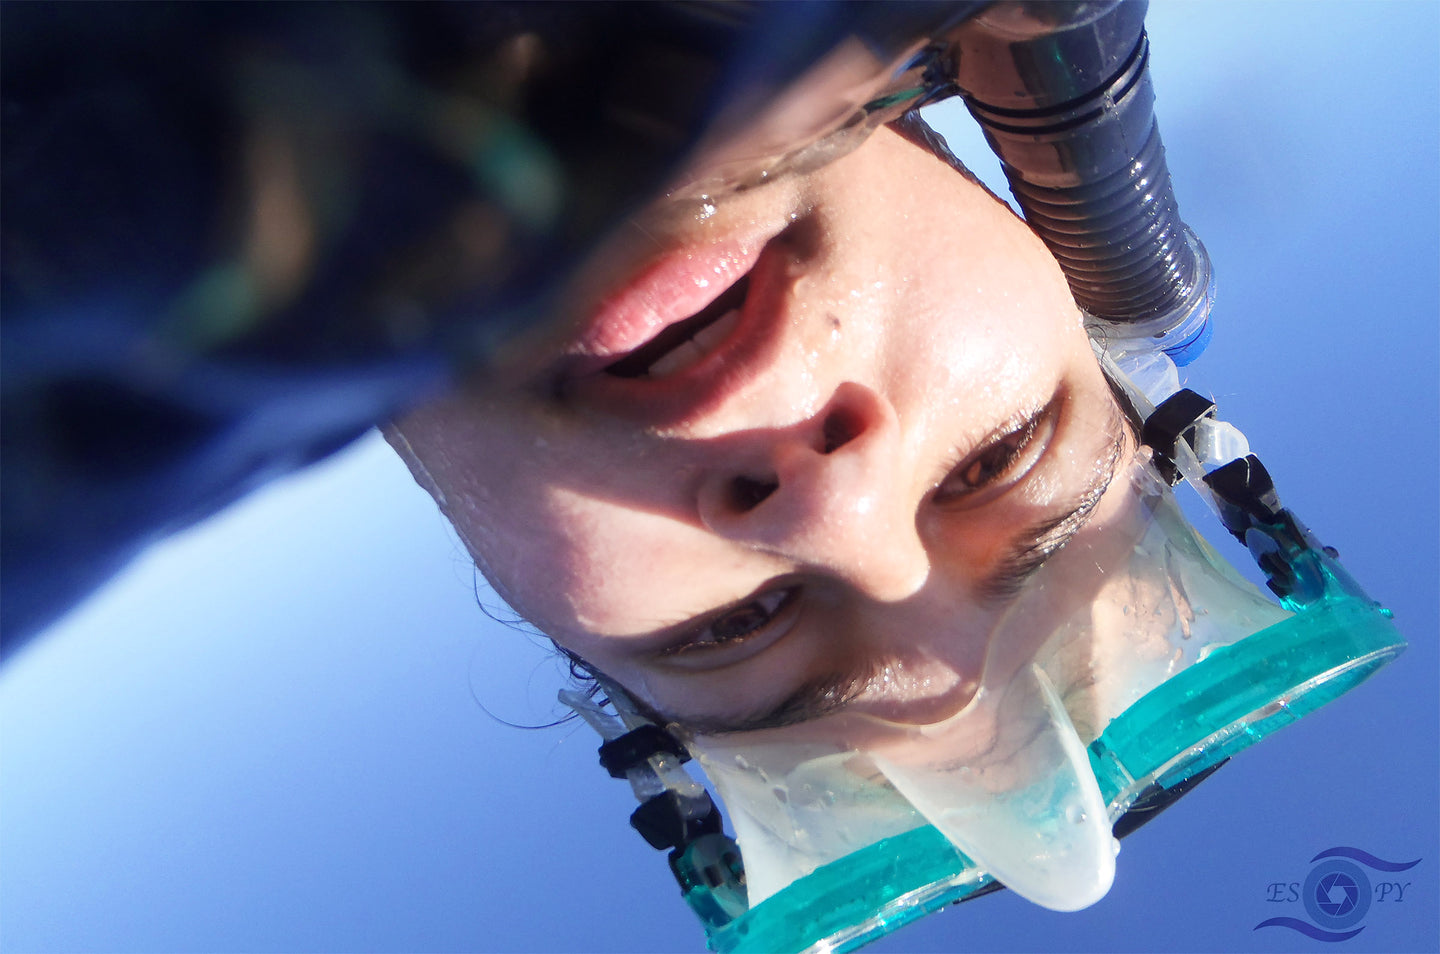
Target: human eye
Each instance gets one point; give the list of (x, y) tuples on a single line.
[(1000, 462), (765, 614)]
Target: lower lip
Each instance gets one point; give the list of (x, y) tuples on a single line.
[(670, 290)]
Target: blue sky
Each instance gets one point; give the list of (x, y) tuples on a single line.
[(271, 733)]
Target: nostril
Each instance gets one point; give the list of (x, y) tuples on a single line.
[(746, 493), (841, 427)]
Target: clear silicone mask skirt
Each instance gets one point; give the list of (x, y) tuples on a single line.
[(1135, 660), (1132, 600)]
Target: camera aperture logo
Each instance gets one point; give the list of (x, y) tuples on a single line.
[(1337, 894)]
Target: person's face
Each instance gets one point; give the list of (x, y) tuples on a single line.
[(828, 495)]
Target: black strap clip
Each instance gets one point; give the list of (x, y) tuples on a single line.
[(672, 820), (1174, 418), (637, 745), (1245, 494)]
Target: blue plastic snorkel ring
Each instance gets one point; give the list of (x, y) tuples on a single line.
[(1182, 332)]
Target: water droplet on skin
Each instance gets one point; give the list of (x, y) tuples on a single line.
[(707, 209), (1074, 814)]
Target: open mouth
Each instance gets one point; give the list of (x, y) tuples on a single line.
[(680, 345), (691, 331)]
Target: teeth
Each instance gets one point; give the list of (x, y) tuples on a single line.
[(676, 359), (713, 334), (706, 339), (770, 602)]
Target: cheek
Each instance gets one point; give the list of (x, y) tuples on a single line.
[(984, 322), (1001, 307)]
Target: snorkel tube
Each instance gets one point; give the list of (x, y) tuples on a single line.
[(1063, 94), (846, 837)]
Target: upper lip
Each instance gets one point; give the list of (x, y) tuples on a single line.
[(671, 289)]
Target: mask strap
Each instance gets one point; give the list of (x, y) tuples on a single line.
[(675, 812)]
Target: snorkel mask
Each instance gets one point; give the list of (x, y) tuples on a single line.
[(1127, 669)]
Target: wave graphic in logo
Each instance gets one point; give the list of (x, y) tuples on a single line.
[(1308, 929), (1365, 858)]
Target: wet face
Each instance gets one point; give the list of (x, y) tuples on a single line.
[(795, 450)]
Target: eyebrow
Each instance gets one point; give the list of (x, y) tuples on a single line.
[(833, 692)]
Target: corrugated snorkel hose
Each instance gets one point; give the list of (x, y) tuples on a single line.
[(1063, 93)]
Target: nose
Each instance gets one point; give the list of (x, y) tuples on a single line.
[(830, 494)]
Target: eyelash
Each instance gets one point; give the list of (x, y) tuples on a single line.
[(768, 606), (988, 464)]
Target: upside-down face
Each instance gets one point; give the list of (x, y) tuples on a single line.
[(795, 450)]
